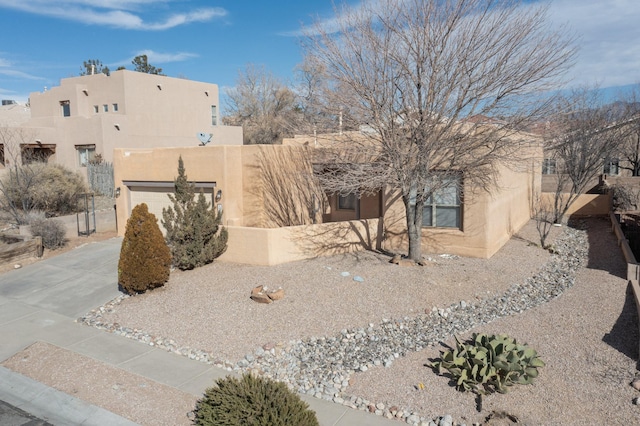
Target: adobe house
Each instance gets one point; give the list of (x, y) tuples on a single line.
[(459, 219), (276, 213), (94, 114)]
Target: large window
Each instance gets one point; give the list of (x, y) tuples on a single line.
[(549, 166), (86, 153), (443, 209), (611, 167), (66, 108)]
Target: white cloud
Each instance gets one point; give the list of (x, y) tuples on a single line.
[(609, 33), (163, 58), (156, 58), (8, 69), (125, 14)]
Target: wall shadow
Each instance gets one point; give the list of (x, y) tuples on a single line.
[(606, 255), (625, 335), (604, 252)]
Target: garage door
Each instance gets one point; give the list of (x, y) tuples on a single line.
[(156, 195), (155, 198)]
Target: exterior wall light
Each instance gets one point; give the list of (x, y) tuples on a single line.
[(117, 126), (219, 195), (117, 192)]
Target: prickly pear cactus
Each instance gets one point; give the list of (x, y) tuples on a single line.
[(489, 363)]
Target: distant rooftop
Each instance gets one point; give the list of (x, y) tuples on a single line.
[(13, 113)]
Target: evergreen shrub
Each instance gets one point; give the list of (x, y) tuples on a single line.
[(145, 259), (194, 234), (252, 401)]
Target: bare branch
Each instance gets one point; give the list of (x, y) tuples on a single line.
[(441, 88)]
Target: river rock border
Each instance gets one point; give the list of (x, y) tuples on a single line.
[(322, 367)]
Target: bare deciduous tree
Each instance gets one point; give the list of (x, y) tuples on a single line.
[(630, 132), (261, 104), (291, 194), (17, 180), (315, 111), (582, 133), (423, 77)]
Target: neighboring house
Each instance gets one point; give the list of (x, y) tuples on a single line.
[(263, 188), (94, 114)]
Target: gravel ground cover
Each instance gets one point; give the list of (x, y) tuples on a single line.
[(362, 338)]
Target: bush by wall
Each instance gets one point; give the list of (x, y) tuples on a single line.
[(50, 188), (52, 231), (145, 259), (252, 401)]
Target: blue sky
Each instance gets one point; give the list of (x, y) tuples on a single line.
[(43, 41)]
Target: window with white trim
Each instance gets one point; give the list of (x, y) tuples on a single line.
[(443, 208), (86, 153)]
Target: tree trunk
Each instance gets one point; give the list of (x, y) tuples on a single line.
[(414, 227)]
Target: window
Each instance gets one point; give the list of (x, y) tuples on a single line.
[(347, 202), (105, 108), (66, 108), (214, 115), (611, 167), (115, 107), (96, 109), (549, 166), (86, 153), (443, 208)]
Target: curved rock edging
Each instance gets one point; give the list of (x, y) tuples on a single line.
[(322, 367)]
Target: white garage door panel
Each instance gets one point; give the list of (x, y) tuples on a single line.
[(155, 198)]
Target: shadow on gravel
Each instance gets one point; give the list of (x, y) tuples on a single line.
[(604, 253), (624, 336)]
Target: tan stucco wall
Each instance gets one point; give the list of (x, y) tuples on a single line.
[(489, 218), (219, 164), (234, 170), (273, 246), (584, 204)]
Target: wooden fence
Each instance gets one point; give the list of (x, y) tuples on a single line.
[(18, 247)]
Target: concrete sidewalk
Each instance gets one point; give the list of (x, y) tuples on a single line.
[(40, 303)]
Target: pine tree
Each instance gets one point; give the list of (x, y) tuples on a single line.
[(194, 234), (145, 259)]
